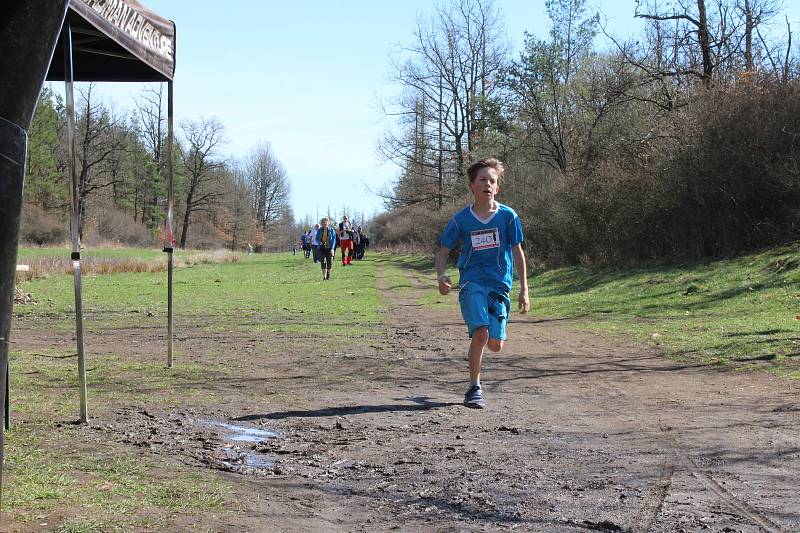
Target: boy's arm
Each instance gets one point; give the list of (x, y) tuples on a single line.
[(441, 266), (519, 266)]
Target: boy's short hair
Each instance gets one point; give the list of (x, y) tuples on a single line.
[(490, 162), (324, 220)]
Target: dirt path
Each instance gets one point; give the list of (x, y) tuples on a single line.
[(580, 434)]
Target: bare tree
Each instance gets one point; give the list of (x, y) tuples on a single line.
[(100, 143), (694, 23), (150, 121), (780, 68), (563, 89), (198, 159), (451, 72), (269, 185), (713, 40), (240, 206)]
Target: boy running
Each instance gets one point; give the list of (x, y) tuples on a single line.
[(490, 235)]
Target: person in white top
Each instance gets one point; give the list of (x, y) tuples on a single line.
[(345, 235), (315, 243)]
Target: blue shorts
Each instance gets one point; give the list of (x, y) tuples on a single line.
[(482, 306)]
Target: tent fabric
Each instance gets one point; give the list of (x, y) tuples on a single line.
[(117, 40)]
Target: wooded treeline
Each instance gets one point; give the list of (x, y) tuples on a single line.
[(121, 171), (681, 143)]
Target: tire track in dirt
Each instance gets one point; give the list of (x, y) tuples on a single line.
[(647, 515), (651, 508), (675, 458), (678, 458), (725, 496)]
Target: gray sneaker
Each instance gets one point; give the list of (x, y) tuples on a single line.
[(474, 398)]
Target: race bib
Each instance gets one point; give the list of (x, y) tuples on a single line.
[(485, 238)]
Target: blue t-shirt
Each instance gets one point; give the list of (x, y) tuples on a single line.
[(486, 256)]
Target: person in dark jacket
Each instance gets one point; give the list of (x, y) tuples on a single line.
[(361, 243)]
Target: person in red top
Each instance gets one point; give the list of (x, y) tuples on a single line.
[(346, 240)]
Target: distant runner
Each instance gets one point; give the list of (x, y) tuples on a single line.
[(315, 243), (305, 241), (346, 239), (361, 244), (327, 247)]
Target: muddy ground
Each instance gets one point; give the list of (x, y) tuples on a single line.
[(581, 433)]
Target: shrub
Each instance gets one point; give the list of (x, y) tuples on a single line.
[(203, 235), (416, 226), (40, 227), (115, 226)]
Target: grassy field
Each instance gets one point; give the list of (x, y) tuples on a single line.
[(46, 471), (262, 285), (27, 253), (741, 312)]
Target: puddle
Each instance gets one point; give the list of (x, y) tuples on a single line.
[(250, 460), (241, 433), (235, 456)]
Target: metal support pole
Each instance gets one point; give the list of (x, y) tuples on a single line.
[(7, 401), (75, 217), (170, 225)]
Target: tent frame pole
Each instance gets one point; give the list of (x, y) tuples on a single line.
[(75, 219), (170, 225)]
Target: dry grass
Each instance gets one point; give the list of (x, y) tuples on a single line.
[(207, 258), (42, 267), (403, 248)]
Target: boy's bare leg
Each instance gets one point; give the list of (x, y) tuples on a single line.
[(480, 337)]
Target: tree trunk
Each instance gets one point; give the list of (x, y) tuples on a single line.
[(186, 215), (439, 159), (748, 36), (705, 43)]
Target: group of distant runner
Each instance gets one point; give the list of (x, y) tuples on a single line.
[(321, 242)]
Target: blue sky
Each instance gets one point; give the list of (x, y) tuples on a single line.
[(307, 76)]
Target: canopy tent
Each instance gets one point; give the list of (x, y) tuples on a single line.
[(122, 41), (116, 40)]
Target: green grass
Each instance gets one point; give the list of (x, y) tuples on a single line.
[(395, 276), (49, 470), (107, 490), (269, 288), (45, 383), (738, 311)]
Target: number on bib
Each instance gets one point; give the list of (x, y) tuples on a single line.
[(485, 238)]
